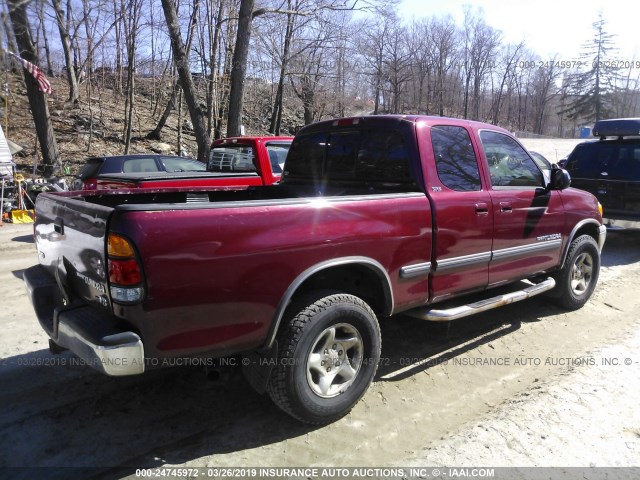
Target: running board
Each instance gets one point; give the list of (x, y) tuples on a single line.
[(428, 313)]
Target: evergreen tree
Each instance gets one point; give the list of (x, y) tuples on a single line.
[(591, 89)]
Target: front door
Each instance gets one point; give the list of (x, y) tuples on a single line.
[(528, 219)]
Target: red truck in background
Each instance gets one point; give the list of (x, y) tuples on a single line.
[(374, 216), (233, 162)]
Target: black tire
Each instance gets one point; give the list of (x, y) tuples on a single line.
[(315, 384), (577, 279)]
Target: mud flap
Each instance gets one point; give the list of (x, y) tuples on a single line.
[(257, 367)]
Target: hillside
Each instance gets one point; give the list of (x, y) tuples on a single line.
[(96, 126)]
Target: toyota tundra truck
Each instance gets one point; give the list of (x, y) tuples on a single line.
[(374, 216)]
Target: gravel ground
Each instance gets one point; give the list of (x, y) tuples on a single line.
[(457, 394)]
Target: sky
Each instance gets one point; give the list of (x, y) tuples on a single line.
[(548, 27)]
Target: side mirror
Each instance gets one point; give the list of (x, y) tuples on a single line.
[(560, 179)]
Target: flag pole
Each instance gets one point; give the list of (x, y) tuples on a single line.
[(6, 93), (6, 105)]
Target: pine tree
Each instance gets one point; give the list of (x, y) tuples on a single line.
[(590, 90)]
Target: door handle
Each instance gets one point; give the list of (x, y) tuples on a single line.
[(506, 207), (482, 209)]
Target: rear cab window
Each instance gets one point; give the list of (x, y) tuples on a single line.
[(366, 156), (232, 158)]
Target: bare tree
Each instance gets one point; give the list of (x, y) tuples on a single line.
[(156, 133), (37, 100), (444, 36), (543, 91), (131, 30), (239, 68), (396, 59), (371, 46), (421, 54), (181, 60), (63, 23), (511, 55), (481, 42), (42, 27), (276, 114)]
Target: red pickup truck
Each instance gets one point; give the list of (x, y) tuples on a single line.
[(375, 216), (233, 162)]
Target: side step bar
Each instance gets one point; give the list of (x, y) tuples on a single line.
[(428, 313)]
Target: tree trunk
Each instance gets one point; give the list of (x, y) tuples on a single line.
[(156, 134), (276, 115), (118, 52), (181, 59), (239, 68), (65, 39), (214, 40), (43, 29), (11, 39), (37, 100)]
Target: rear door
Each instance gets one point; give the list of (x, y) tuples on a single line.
[(624, 179), (610, 170), (585, 165), (527, 218), (463, 213)]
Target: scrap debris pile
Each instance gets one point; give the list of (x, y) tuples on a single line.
[(18, 194)]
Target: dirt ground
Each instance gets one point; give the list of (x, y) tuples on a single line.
[(525, 385)]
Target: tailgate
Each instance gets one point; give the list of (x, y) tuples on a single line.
[(70, 238)]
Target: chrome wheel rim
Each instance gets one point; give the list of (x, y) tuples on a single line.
[(334, 360), (581, 273)]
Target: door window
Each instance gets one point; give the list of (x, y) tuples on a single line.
[(182, 165), (509, 164)]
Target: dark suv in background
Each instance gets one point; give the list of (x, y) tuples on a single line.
[(609, 168), (96, 166)]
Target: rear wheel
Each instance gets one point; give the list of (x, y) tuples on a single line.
[(577, 280), (328, 353)]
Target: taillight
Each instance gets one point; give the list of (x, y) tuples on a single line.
[(125, 272), (90, 184)]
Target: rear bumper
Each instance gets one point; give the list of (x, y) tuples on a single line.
[(90, 334)]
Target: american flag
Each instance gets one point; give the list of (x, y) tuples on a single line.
[(43, 82)]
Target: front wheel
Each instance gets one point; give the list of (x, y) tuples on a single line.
[(328, 353), (578, 277)]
